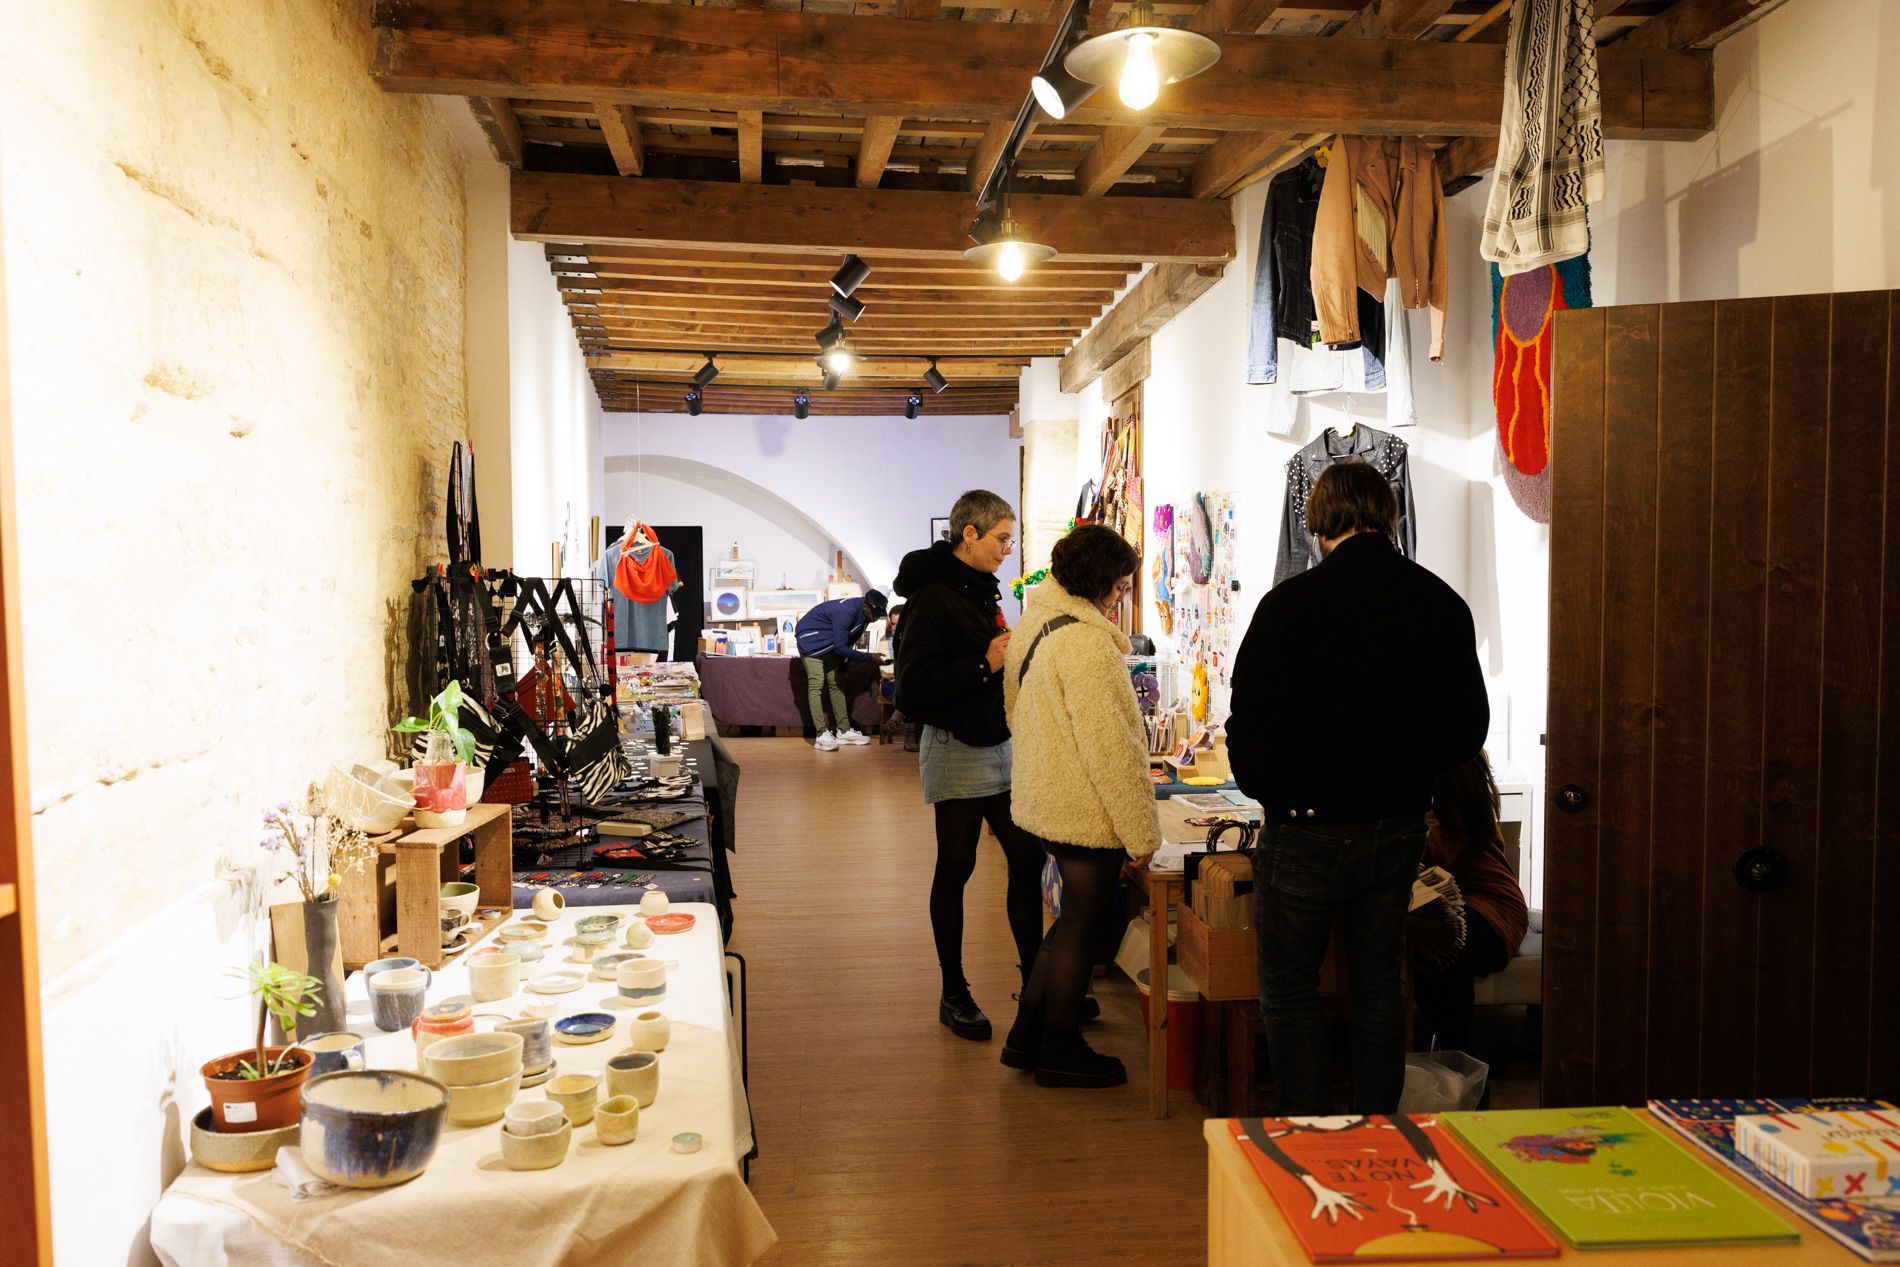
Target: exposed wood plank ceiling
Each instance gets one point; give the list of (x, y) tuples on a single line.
[(697, 171)]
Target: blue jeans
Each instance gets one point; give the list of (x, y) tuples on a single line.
[(1303, 877)]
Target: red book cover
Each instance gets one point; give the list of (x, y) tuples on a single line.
[(1385, 1188)]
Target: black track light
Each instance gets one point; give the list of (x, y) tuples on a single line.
[(693, 402), (846, 307), (850, 275), (987, 226), (1056, 90), (801, 406), (933, 377), (831, 336), (706, 373), (913, 403)]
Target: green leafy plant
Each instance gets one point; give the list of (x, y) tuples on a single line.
[(281, 992), (445, 713)]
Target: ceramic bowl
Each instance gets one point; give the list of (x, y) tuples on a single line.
[(468, 1060), (642, 980), (540, 1011), (558, 981), (635, 1073), (610, 924), (617, 1121), (461, 897), (654, 902), (649, 1031), (370, 802), (534, 1117), (536, 1152), (576, 1093), (639, 936), (537, 1044), (474, 780), (237, 1151), (528, 951), (585, 1027), (371, 1128), (480, 1103), (526, 930), (604, 966)]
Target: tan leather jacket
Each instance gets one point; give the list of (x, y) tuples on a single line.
[(1381, 215)]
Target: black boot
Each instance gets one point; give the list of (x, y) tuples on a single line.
[(1020, 1048), (960, 1014), (1067, 1061)]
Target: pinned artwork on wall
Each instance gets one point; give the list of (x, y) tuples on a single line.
[(1522, 308), (940, 530), (1203, 620), (1162, 568)]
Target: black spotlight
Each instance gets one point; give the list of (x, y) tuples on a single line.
[(1056, 90), (933, 377), (913, 403), (706, 373), (693, 402), (847, 307), (850, 275), (987, 226), (830, 336), (801, 406)]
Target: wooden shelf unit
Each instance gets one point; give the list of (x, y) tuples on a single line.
[(395, 907)]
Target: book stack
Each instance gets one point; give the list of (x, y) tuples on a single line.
[(1820, 1155)]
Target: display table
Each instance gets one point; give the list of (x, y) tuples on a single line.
[(690, 879), (770, 690), (1245, 1228), (638, 1204)]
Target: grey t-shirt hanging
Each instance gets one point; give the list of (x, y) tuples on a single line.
[(637, 626)]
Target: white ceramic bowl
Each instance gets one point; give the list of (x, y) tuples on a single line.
[(483, 1102), (467, 1060), (370, 802), (460, 895), (535, 1117), (536, 1152)]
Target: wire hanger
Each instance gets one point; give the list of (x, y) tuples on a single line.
[(1352, 423)]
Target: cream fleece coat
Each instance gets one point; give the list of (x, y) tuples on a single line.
[(1079, 765)]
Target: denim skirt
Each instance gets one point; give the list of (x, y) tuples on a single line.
[(955, 771)]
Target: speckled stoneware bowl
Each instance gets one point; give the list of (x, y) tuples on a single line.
[(237, 1151), (372, 1128), (536, 1152)]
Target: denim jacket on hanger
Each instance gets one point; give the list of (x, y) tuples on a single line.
[(1283, 306)]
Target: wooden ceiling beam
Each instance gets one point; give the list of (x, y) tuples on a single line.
[(817, 314), (1118, 150), (843, 64), (751, 146), (1232, 17), (622, 133), (1696, 24), (496, 118), (793, 327), (874, 148), (1467, 156), (1164, 292), (612, 276), (559, 207), (952, 304), (895, 367), (989, 152), (578, 255)]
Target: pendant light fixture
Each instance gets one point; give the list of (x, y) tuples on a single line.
[(933, 377), (1004, 248), (1141, 57), (839, 358)]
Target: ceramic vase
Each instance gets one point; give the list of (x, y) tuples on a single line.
[(320, 956), (441, 785), (548, 904), (649, 1031)]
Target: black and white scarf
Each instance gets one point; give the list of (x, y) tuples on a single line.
[(1550, 140)]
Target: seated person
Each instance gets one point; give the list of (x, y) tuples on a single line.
[(1466, 841)]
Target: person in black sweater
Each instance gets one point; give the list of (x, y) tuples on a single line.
[(1356, 685), (949, 678)]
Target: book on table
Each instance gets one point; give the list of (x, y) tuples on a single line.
[(1606, 1180), (1868, 1224), (1367, 1189), (1825, 1153)]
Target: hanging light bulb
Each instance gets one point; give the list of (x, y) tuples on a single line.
[(1141, 80), (1009, 261), (1008, 253), (838, 359), (1141, 57)]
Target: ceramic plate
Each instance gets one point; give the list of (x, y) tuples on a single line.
[(536, 1079), (606, 966), (584, 1027), (671, 922), (560, 981)]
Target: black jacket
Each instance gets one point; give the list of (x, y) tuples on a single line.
[(952, 611), (1357, 683)]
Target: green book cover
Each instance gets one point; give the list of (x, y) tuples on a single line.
[(1606, 1180)]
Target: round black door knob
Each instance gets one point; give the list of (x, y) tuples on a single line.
[(1571, 799), (1761, 869)]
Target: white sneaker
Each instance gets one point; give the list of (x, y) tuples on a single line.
[(853, 736), (826, 742)]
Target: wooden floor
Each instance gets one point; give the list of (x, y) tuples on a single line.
[(884, 1140)]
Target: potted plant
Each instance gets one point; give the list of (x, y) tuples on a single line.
[(258, 1089), (320, 849), (442, 775)]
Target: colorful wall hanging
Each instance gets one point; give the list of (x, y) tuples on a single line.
[(1161, 568), (1522, 306)]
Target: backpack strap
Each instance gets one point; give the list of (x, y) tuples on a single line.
[(1058, 622)]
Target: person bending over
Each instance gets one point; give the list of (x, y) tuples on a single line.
[(949, 679), (828, 635), (1082, 787), (1356, 686)]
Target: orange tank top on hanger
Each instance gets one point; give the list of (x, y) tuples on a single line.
[(645, 580)]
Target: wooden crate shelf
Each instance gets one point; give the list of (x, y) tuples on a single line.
[(394, 907)]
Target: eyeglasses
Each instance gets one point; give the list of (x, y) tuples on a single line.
[(1006, 541)]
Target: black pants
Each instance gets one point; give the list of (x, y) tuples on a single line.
[(1303, 877), (1444, 996), (959, 829), (1061, 979)]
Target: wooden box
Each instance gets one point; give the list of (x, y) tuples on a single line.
[(1223, 891), (394, 907), (1220, 962)]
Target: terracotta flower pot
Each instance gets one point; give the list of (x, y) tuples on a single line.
[(255, 1104)]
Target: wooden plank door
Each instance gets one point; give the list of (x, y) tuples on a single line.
[(1722, 893)]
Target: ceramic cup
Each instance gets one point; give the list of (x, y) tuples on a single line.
[(396, 997), (335, 1051), (634, 1073), (462, 896), (649, 1031), (494, 976), (589, 942), (576, 1093), (534, 1117), (537, 1043), (654, 902), (617, 1121), (639, 936), (394, 962), (548, 904), (642, 980)]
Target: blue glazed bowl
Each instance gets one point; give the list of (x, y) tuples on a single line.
[(371, 1128), (585, 1027)]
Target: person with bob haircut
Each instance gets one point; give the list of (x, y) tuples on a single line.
[(1356, 686), (1081, 785)]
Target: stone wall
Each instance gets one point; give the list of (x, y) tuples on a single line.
[(235, 302)]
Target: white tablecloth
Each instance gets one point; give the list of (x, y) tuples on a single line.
[(637, 1204)]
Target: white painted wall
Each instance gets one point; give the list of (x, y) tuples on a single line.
[(788, 547), (871, 485)]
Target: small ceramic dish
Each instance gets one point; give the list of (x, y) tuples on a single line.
[(559, 981), (537, 1079), (610, 923), (238, 1151), (585, 1027), (606, 965), (536, 1152), (671, 922), (526, 930)]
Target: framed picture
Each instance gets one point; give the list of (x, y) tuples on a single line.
[(940, 529)]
